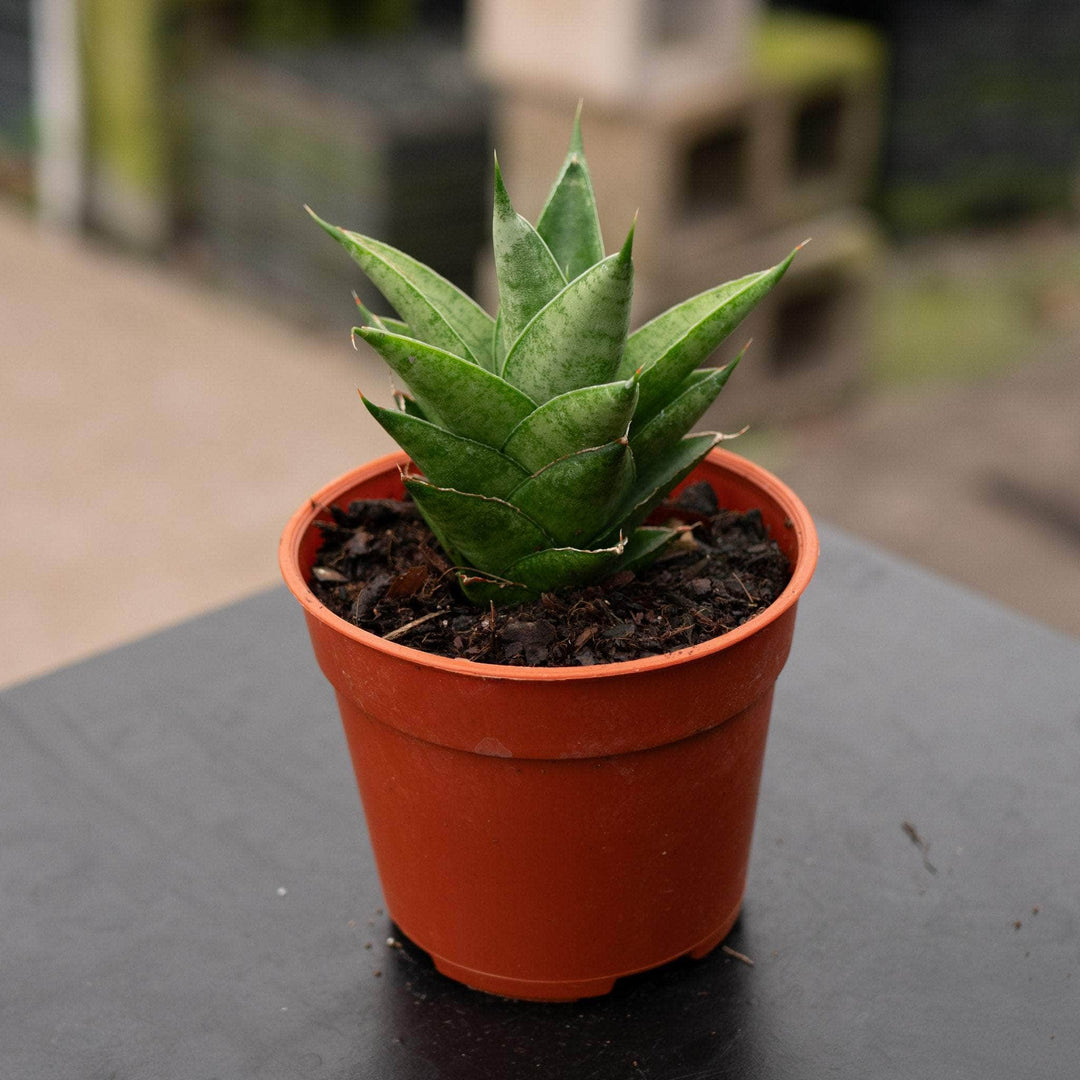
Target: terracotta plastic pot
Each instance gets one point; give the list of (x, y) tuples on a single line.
[(543, 831)]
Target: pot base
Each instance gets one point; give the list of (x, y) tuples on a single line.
[(569, 989)]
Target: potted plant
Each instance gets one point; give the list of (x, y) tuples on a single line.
[(542, 831)]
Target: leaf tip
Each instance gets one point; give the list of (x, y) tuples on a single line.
[(502, 196), (577, 145)]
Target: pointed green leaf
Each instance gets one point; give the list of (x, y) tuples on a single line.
[(578, 338), (449, 460), (462, 397), (569, 222), (698, 391), (499, 347), (408, 405), (669, 347), (591, 416), (527, 272), (563, 568), (475, 530), (437, 310), (658, 477), (643, 547), (381, 322), (574, 498), (497, 591)]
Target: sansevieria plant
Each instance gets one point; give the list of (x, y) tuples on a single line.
[(547, 435)]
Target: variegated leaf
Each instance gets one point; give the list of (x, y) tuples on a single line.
[(659, 476), (462, 397), (644, 545), (575, 497), (449, 460), (669, 347), (526, 270), (577, 339), (408, 405), (591, 416), (437, 311), (563, 568), (491, 590), (381, 322), (569, 222), (476, 530), (681, 412)]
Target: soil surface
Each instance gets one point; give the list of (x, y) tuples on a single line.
[(381, 569)]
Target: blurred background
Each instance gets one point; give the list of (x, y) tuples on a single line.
[(176, 372)]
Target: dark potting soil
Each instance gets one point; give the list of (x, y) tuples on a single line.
[(381, 569)]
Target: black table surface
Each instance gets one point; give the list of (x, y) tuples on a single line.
[(186, 887)]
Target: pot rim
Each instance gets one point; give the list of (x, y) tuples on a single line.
[(771, 486)]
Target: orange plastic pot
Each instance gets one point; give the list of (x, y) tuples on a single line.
[(543, 831)]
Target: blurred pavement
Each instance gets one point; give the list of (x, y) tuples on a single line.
[(156, 436), (155, 439)]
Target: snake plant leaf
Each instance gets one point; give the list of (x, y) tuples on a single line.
[(483, 590), (460, 396), (569, 222), (476, 530), (449, 460), (574, 498), (438, 312), (659, 476), (577, 339), (544, 571), (526, 270), (591, 416), (698, 391), (669, 347), (499, 347), (643, 546), (563, 567), (381, 322), (408, 405)]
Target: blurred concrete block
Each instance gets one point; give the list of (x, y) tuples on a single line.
[(818, 110), (809, 334), (611, 51), (723, 163)]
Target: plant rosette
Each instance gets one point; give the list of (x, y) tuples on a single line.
[(541, 832)]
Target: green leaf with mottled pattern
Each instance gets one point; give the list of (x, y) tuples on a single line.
[(577, 339), (583, 418), (437, 311), (449, 460), (659, 476), (526, 270), (484, 590), (462, 397), (569, 222), (643, 546), (669, 347), (698, 391), (381, 322), (408, 405), (575, 497), (476, 530), (563, 568)]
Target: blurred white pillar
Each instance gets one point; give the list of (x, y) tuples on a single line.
[(57, 86)]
